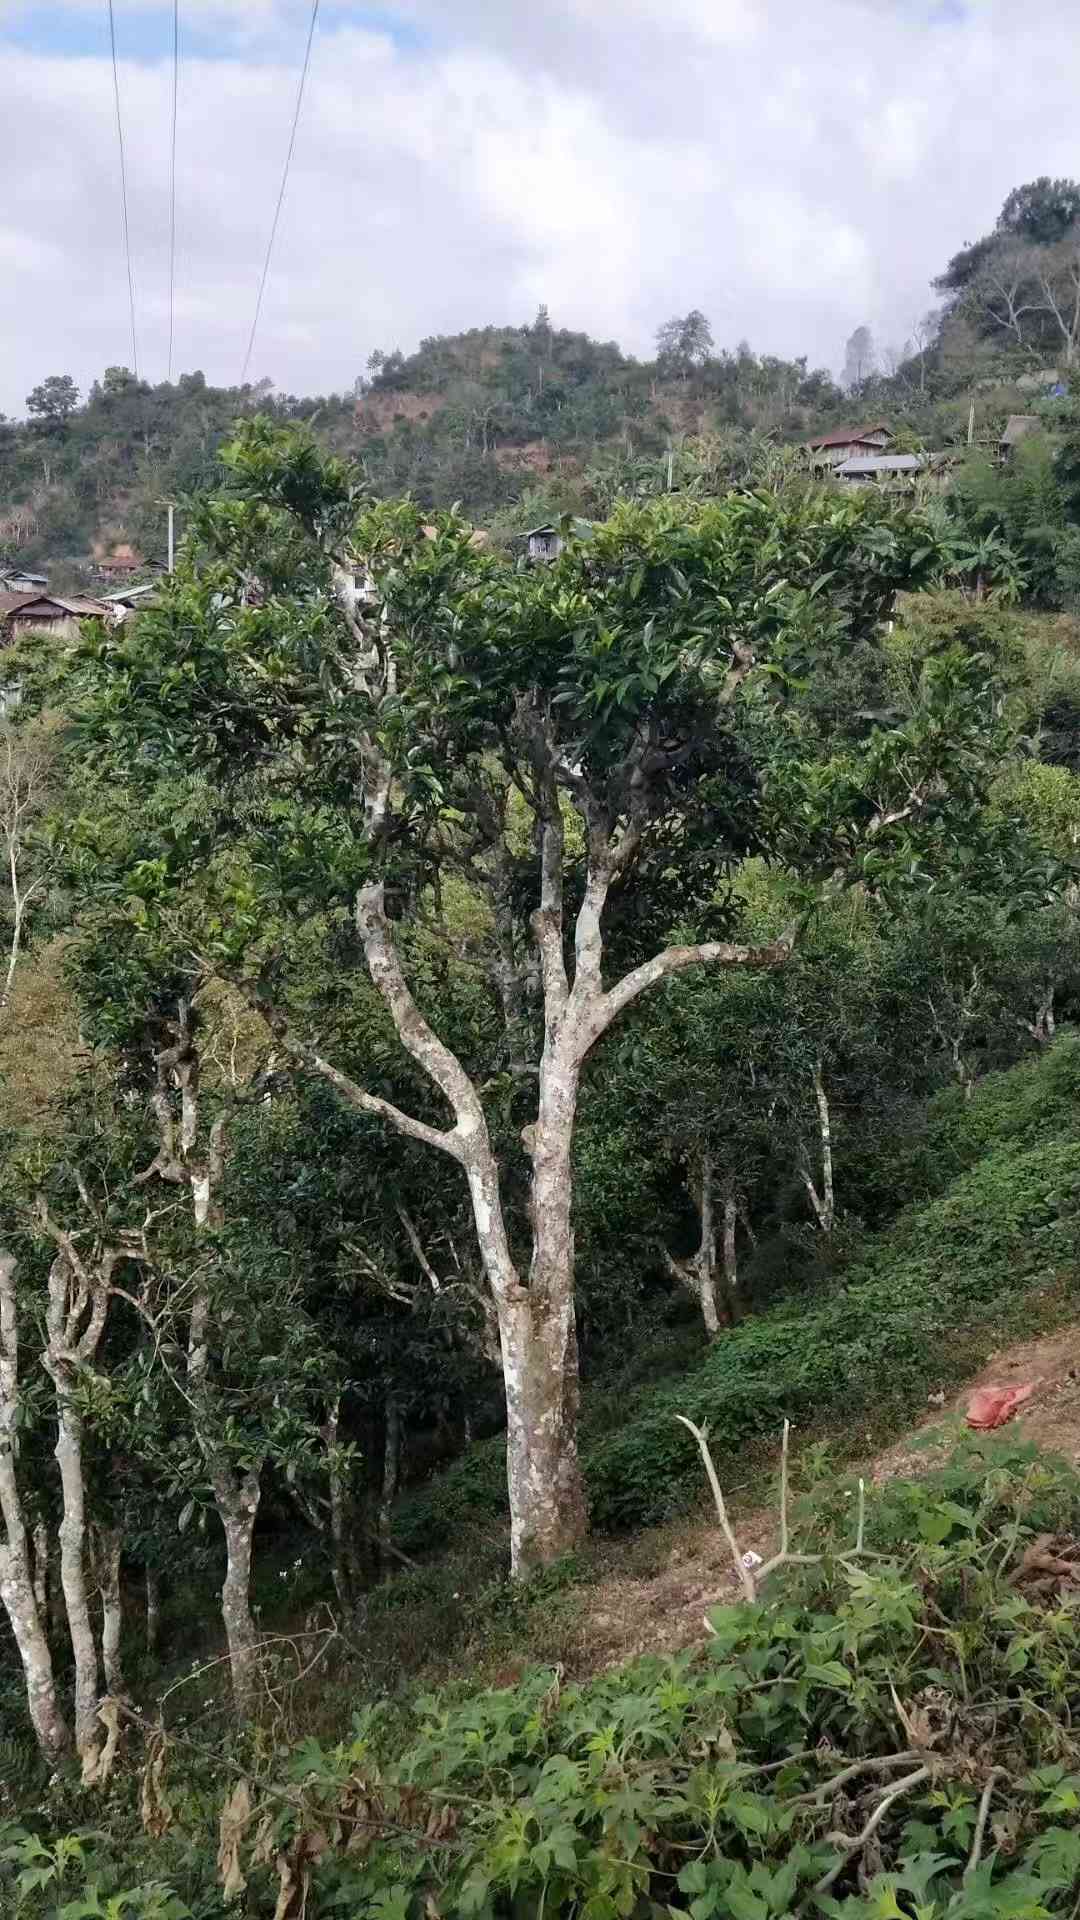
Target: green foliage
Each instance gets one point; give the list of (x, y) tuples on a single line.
[(915, 1309), (742, 1780)]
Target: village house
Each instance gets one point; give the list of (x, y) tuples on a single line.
[(56, 614), (123, 601), (848, 443), (1017, 427), (881, 469), (120, 563), (19, 580)]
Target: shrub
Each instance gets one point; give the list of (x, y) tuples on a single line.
[(876, 1734), (920, 1306)]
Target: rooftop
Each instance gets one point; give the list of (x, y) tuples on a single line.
[(1017, 426), (849, 436), (883, 463)]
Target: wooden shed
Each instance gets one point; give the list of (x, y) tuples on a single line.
[(543, 543), (19, 580)]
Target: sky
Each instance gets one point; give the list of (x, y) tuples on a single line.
[(792, 167)]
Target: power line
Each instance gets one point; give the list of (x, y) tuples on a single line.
[(281, 193), (172, 181), (124, 192)]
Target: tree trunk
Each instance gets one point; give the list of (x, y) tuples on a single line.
[(17, 1594), (344, 1569), (40, 1539), (153, 1609), (698, 1274), (547, 1501), (69, 1459), (237, 1503), (731, 1259), (390, 1479), (16, 1572), (706, 1253), (539, 1343), (108, 1547), (822, 1200)]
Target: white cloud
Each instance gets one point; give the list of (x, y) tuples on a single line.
[(791, 168)]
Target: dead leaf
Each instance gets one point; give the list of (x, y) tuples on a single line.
[(232, 1826), (1046, 1555), (928, 1717), (154, 1808), (97, 1762), (294, 1867), (263, 1851), (549, 1702)]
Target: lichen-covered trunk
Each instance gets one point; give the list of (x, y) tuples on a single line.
[(823, 1199), (28, 1632), (547, 1502), (238, 1506), (153, 1609), (25, 1617), (731, 1257), (705, 1259), (538, 1334), (108, 1549), (69, 1459), (17, 1570)]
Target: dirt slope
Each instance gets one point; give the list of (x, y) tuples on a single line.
[(665, 1610)]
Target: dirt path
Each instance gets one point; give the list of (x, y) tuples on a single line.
[(665, 1610)]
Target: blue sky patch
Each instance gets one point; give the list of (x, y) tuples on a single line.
[(145, 33)]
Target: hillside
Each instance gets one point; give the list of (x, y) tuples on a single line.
[(469, 1015), (632, 1711), (513, 423)]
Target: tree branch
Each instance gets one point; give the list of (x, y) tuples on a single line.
[(678, 960), (417, 1037)]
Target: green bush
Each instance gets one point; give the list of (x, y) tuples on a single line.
[(876, 1734), (997, 1182), (920, 1306)]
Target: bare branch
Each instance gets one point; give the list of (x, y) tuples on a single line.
[(746, 1578), (415, 1243), (856, 1845), (416, 1035), (995, 1774)]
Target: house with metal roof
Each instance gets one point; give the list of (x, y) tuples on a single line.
[(849, 443), (881, 467)]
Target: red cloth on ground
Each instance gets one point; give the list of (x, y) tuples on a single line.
[(992, 1406)]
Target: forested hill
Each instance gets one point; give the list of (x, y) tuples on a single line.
[(518, 422), (486, 417)]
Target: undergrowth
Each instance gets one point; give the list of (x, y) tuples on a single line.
[(885, 1733), (984, 1241)]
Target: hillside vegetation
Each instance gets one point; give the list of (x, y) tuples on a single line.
[(463, 1016), (519, 422)]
